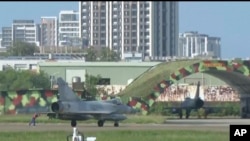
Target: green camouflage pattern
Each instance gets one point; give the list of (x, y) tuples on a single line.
[(28, 101), (239, 66)]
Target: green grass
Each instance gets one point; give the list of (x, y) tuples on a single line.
[(125, 135), (144, 84), (44, 119)]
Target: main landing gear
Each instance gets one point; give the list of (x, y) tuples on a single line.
[(100, 123)]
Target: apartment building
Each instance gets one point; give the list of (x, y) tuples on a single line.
[(25, 31), (146, 27), (193, 44), (68, 27), (6, 37), (49, 32), (0, 40)]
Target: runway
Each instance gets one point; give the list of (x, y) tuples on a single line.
[(171, 124)]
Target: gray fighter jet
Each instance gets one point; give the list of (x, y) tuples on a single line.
[(188, 104), (71, 107)]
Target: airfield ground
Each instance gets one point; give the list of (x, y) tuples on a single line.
[(171, 124)]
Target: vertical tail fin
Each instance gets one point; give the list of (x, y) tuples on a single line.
[(197, 94), (66, 93)]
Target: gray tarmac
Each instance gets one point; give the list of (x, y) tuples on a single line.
[(221, 125)]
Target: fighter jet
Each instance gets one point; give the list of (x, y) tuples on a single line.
[(188, 104), (71, 107)]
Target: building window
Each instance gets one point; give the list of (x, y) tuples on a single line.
[(95, 35), (95, 21), (103, 7), (134, 27), (127, 20), (134, 20), (134, 41), (126, 41), (95, 14), (134, 6), (103, 14), (127, 27), (95, 42), (134, 34), (103, 28), (103, 35), (126, 34), (103, 21), (126, 13), (103, 42)]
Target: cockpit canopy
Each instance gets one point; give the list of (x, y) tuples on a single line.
[(116, 101)]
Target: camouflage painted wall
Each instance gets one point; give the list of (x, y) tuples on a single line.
[(27, 101), (30, 101)]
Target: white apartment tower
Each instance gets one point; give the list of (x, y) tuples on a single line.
[(193, 44), (146, 27), (49, 32), (25, 31), (68, 27)]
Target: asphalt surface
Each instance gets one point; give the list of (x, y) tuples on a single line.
[(170, 124)]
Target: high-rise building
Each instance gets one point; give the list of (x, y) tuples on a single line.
[(48, 34), (25, 31), (149, 28), (0, 39), (68, 27), (193, 44), (6, 36)]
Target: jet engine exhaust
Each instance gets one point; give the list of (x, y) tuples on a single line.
[(56, 107)]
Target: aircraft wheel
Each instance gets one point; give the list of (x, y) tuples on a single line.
[(73, 123), (100, 123), (116, 124), (180, 114), (187, 113)]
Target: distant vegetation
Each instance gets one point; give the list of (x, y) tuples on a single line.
[(22, 49), (11, 79), (103, 54)]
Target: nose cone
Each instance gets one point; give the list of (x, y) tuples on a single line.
[(125, 109)]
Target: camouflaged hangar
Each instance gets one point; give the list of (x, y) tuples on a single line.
[(233, 72)]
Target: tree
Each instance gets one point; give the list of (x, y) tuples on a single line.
[(40, 80), (108, 55), (23, 49), (91, 54), (11, 79), (90, 84)]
